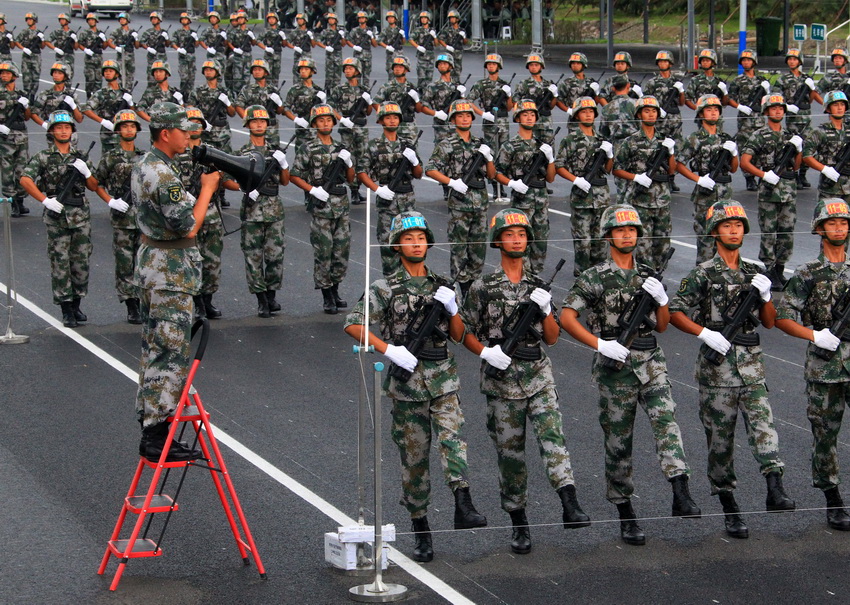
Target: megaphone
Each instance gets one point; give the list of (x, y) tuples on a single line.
[(246, 170)]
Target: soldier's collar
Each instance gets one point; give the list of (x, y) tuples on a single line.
[(161, 155)]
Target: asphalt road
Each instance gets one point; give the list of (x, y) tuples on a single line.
[(284, 393)]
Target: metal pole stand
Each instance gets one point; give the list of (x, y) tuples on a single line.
[(10, 338), (378, 591)]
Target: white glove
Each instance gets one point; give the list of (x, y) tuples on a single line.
[(642, 179), (345, 156), (223, 34), (400, 356), (770, 177), (385, 193), (797, 142), (411, 156), (461, 89), (488, 116), (224, 99), (723, 88), (370, 33), (433, 33), (612, 350), (281, 159), (547, 150), (89, 52), (679, 86), (322, 95), (357, 48), (390, 49), (4, 130), (251, 35), (594, 87), (830, 173), (441, 115), (210, 50), (421, 49), (731, 147), (51, 203), (269, 50), (543, 299), (450, 48), (608, 148), (553, 89), (329, 49), (310, 35), (507, 90), (655, 289), (747, 111), (164, 35), (178, 96), (346, 122), (320, 194), (300, 122), (194, 35), (448, 297), (366, 97), (714, 340), (810, 83), (582, 183), (41, 36), (80, 165), (181, 51), (276, 99), (826, 339), (762, 284), (766, 85), (108, 125), (238, 51), (151, 51), (486, 152), (128, 97), (297, 50), (74, 36), (663, 113), (45, 125), (59, 51), (27, 51), (69, 102), (462, 34), (101, 35), (119, 49), (637, 90), (413, 95), (518, 186), (670, 144), (495, 357), (134, 34), (118, 204), (706, 182), (24, 101), (792, 108), (282, 35), (254, 195), (458, 186)]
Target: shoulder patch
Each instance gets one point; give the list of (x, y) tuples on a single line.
[(175, 193), (683, 287)]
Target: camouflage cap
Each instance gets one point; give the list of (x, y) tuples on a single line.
[(505, 219), (92, 16), (795, 53), (619, 80), (664, 55), (60, 66), (215, 14), (725, 211), (401, 60), (211, 64), (772, 100), (110, 64), (707, 53), (827, 208), (155, 15), (32, 16), (647, 101), (65, 16), (409, 221), (171, 115), (185, 16)]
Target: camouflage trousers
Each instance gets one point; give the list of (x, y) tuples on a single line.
[(657, 225), (263, 245), (506, 423), (210, 240), (718, 411), (457, 70), (388, 60), (331, 241), (333, 70), (619, 395), (166, 348), (127, 63), (702, 202), (425, 70), (366, 67), (538, 216), (467, 233), (590, 249), (241, 71), (30, 73), (496, 133), (777, 222), (14, 155), (411, 432), (356, 140), (218, 137), (441, 131), (825, 411), (273, 59), (69, 251), (543, 129), (125, 244), (186, 69), (91, 73), (402, 202), (408, 131)]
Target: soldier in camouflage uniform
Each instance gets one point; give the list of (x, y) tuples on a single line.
[(792, 86), (629, 376), (618, 115), (272, 41), (439, 95), (30, 41), (185, 40), (14, 142), (806, 311), (331, 40), (330, 227), (837, 79), (824, 144), (392, 39), (423, 38), (113, 173), (493, 101), (528, 191), (706, 83), (213, 99), (398, 90), (523, 390), (239, 42), (697, 158), (58, 97), (588, 201), (154, 40), (91, 41), (300, 100), (648, 193), (738, 382), (377, 166), (622, 63), (543, 92), (63, 41), (214, 39), (361, 39), (124, 40), (158, 92), (670, 92), (452, 38), (67, 221), (576, 86), (301, 41), (777, 197), (168, 273), (450, 165), (106, 102), (429, 397), (745, 94), (258, 92), (352, 128), (263, 237), (7, 41)]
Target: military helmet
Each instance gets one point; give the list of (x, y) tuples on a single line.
[(445, 58), (211, 64), (796, 53), (707, 53), (322, 109), (61, 116), (155, 15), (505, 219), (354, 62), (772, 100), (92, 16), (534, 58), (827, 208), (525, 105), (453, 13), (215, 14), (578, 58), (307, 63), (461, 106), (158, 64), (748, 53), (257, 112), (126, 115), (619, 215), (2, 17), (835, 96), (725, 211), (388, 108), (185, 15), (32, 16), (124, 16), (195, 113), (585, 103), (270, 15), (426, 14), (63, 16), (63, 67), (664, 55), (110, 64), (409, 220), (708, 100), (362, 15), (260, 63), (493, 58), (839, 52), (401, 60), (391, 14), (647, 101), (330, 16), (233, 17), (11, 67), (623, 56), (300, 17)]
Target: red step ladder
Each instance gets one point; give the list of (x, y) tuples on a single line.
[(190, 412)]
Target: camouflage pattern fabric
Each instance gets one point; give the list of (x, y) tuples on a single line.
[(825, 412), (438, 96), (50, 100), (391, 35), (300, 99), (126, 54), (14, 147), (241, 63), (574, 87), (254, 94), (617, 122), (106, 102), (125, 247), (748, 91), (824, 143), (302, 40), (342, 98), (185, 39), (424, 61), (359, 36), (90, 39), (788, 84), (397, 92), (30, 64), (153, 38), (333, 61), (154, 94), (660, 87), (486, 93), (451, 36), (61, 39), (271, 39), (607, 91), (205, 98), (534, 90)]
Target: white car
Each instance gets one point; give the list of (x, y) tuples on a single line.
[(109, 7)]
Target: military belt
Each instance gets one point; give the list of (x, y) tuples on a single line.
[(788, 174), (644, 343), (433, 354), (75, 201), (524, 352), (723, 178), (268, 189), (747, 340), (171, 244)]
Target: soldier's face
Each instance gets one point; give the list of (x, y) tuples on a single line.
[(711, 114), (413, 245), (324, 124), (175, 140), (577, 67), (209, 73), (155, 21), (159, 75), (586, 116), (463, 120), (527, 119), (214, 20), (58, 76), (63, 22), (391, 20), (747, 63), (793, 62), (62, 132), (837, 109), (258, 127), (305, 72), (128, 131), (272, 21), (664, 65), (624, 238), (110, 74), (776, 113), (443, 67), (195, 135), (834, 230), (123, 21), (5, 76), (730, 233), (423, 21), (391, 122), (92, 23), (350, 72), (839, 61), (706, 63), (621, 67), (649, 115), (399, 71), (259, 73), (514, 241), (534, 68), (492, 67)]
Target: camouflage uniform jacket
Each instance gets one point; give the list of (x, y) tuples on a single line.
[(154, 94), (422, 36), (765, 146), (91, 39), (344, 97), (310, 163), (62, 40), (124, 37), (153, 38), (574, 87), (449, 157), (660, 87), (488, 306), (301, 38), (808, 299), (451, 36), (488, 95), (105, 103), (749, 91), (603, 291), (607, 93), (699, 152), (212, 37), (380, 162), (113, 174), (185, 39), (49, 170), (30, 39), (267, 208), (391, 36), (392, 305), (9, 106), (6, 38), (49, 100), (702, 84), (618, 119), (704, 295), (512, 160), (788, 84), (534, 90), (271, 37), (396, 91), (834, 80), (254, 94), (190, 176), (205, 98), (165, 213), (300, 100), (359, 36), (438, 95), (634, 156), (824, 143), (333, 38), (576, 152), (239, 38)]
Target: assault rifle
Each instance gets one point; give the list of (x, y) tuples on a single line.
[(654, 167), (519, 325), (783, 163), (531, 173), (738, 312), (635, 315), (124, 104), (594, 172), (499, 100), (217, 109), (160, 42), (333, 178), (271, 106), (670, 103), (543, 107), (758, 94), (358, 110), (402, 171), (841, 315), (456, 93), (73, 179), (17, 118), (802, 96), (63, 104), (722, 162), (842, 160), (470, 175)]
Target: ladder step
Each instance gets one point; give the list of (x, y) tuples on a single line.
[(189, 413), (143, 547), (160, 503), (155, 463)]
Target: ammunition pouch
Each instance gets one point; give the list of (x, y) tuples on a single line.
[(527, 351), (433, 354), (723, 178), (747, 340), (788, 174)]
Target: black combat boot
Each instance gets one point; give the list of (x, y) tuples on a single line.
[(466, 517), (263, 305), (777, 499), (153, 440), (340, 303), (836, 515), (224, 202), (78, 315), (356, 198), (673, 186), (21, 207), (329, 304), (574, 517), (780, 274), (133, 315), (200, 310), (630, 531), (751, 183), (274, 306), (15, 208), (211, 310), (68, 319), (683, 504), (521, 536), (735, 525), (423, 550), (802, 181)]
